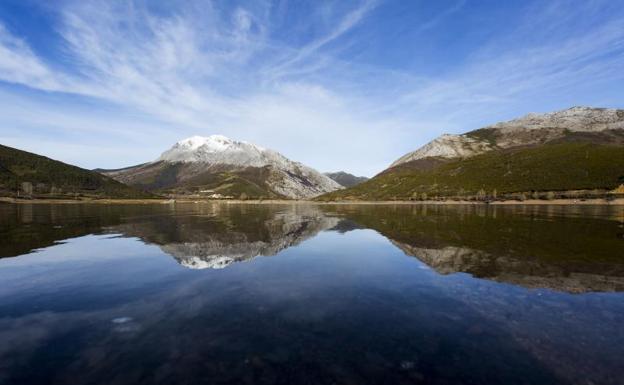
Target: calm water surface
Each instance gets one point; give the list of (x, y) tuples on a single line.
[(296, 294)]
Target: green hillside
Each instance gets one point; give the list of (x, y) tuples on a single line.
[(193, 179), (248, 183), (23, 174), (551, 167)]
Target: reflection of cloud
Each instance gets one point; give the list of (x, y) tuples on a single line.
[(190, 320), (125, 325), (187, 324), (121, 320)]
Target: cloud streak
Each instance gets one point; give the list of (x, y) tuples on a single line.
[(203, 68)]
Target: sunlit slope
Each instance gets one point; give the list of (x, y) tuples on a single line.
[(551, 167)]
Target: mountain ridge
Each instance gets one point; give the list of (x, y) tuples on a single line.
[(530, 129), (581, 148), (345, 179), (217, 167)]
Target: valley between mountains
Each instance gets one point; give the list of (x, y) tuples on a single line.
[(575, 153)]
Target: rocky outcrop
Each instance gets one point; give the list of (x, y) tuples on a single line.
[(576, 119), (446, 146), (530, 130)]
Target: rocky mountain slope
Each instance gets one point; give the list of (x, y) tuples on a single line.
[(216, 166), (598, 124), (345, 179), (580, 148), (27, 175)]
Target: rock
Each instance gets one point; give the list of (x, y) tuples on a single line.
[(531, 129)]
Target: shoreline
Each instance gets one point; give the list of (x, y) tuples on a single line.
[(528, 202)]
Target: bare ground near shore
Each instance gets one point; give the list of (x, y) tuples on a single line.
[(610, 202)]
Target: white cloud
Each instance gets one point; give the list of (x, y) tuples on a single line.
[(184, 69), (205, 69), (18, 64)]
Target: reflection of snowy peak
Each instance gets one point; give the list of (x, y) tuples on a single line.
[(224, 235), (224, 249), (214, 262)]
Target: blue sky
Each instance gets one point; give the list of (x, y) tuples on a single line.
[(344, 85)]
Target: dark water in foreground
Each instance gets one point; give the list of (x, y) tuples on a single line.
[(293, 294)]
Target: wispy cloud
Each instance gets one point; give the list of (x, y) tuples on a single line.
[(497, 76), (346, 23), (204, 68), (441, 16), (18, 64)]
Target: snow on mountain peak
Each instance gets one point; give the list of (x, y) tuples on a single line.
[(220, 150), (213, 142)]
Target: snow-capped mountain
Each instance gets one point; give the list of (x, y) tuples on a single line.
[(219, 166)]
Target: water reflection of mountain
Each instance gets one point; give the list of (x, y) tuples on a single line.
[(569, 249), (28, 227), (228, 234), (209, 235), (527, 273), (576, 251)]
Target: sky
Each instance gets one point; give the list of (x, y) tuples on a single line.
[(336, 85)]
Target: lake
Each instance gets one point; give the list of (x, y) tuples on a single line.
[(212, 293)]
